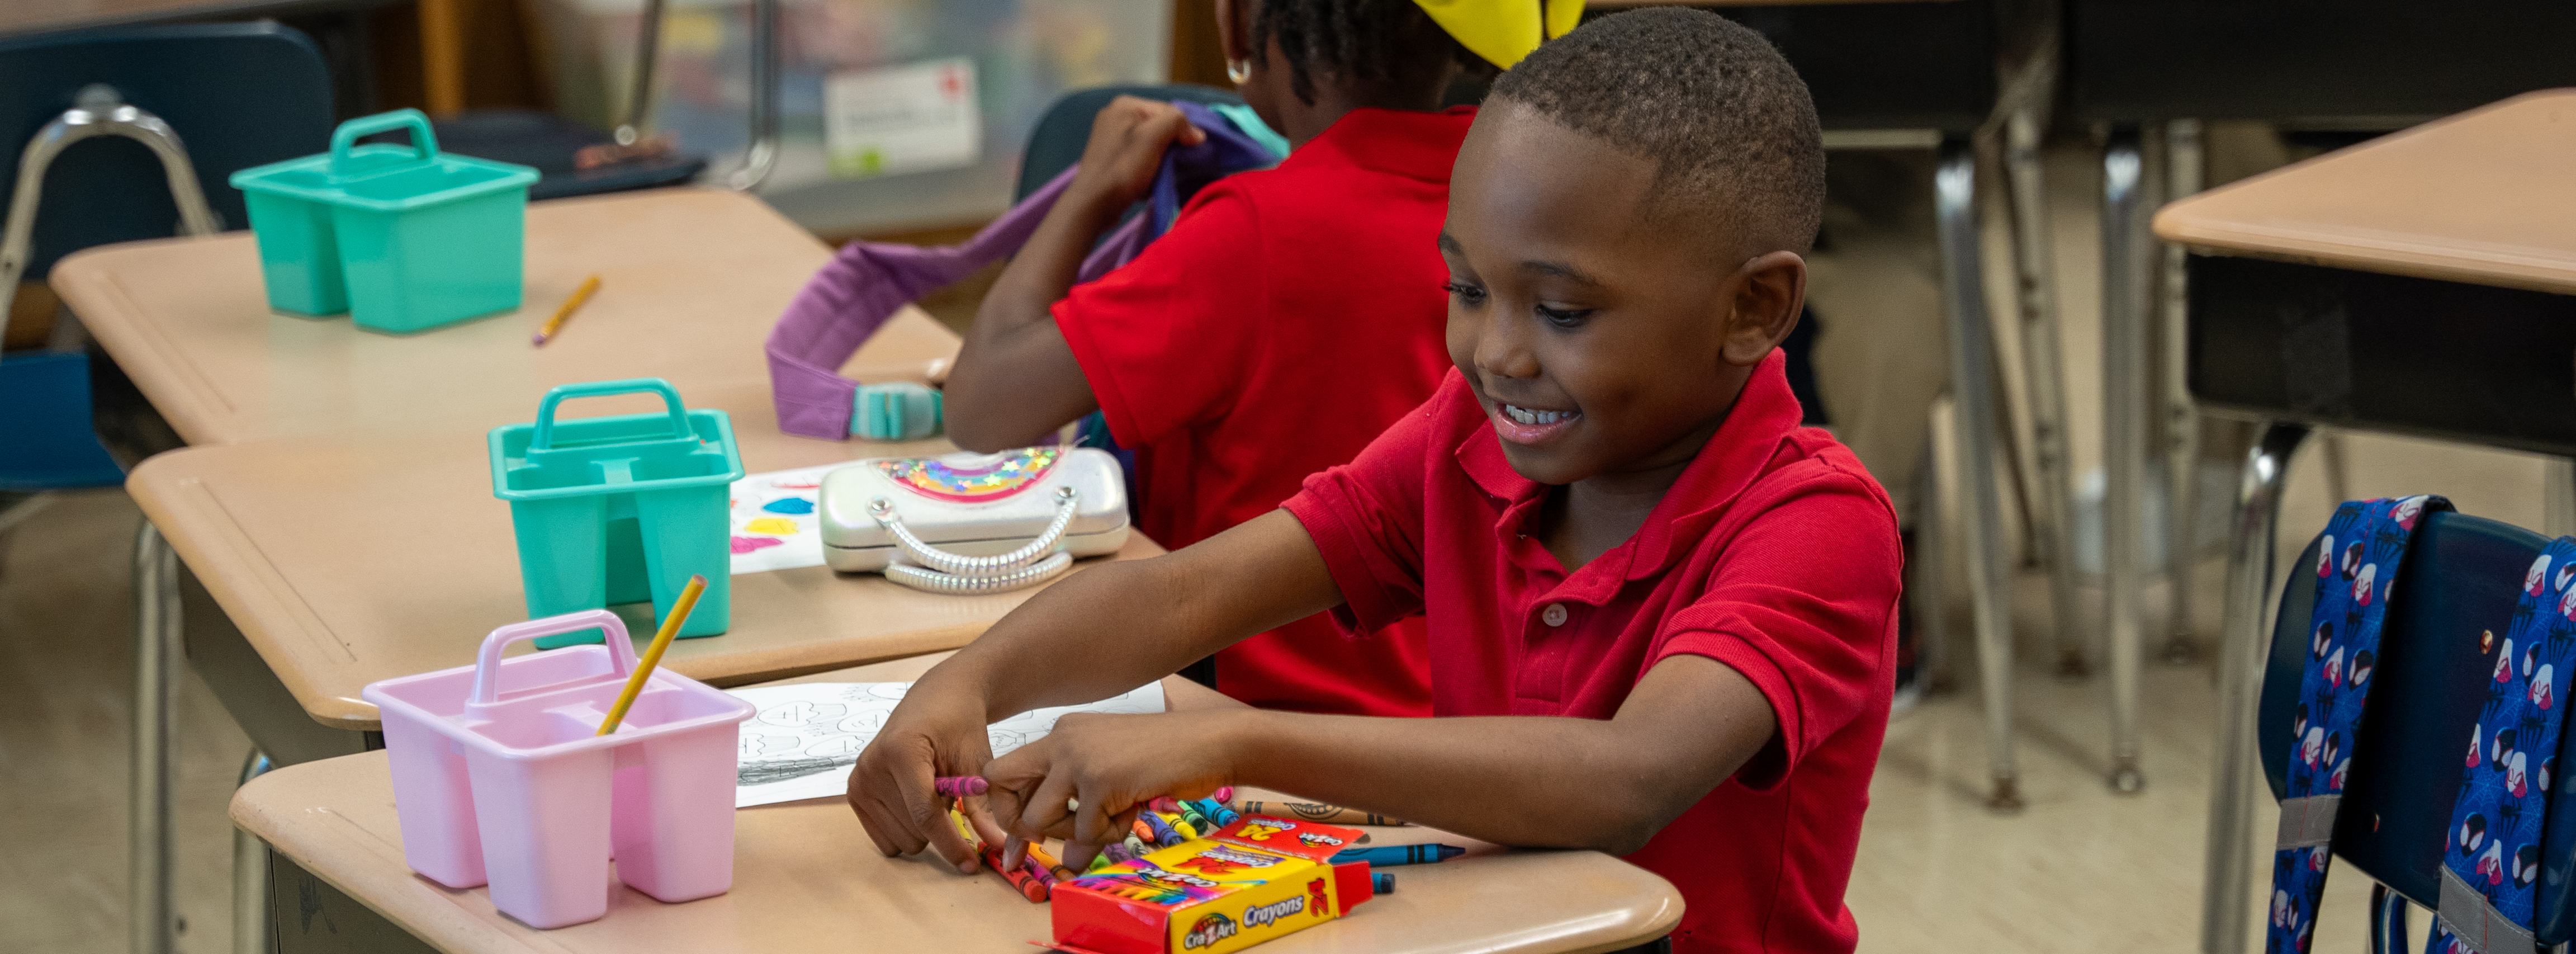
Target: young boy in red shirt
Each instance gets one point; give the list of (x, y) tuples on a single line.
[(1287, 317), (1661, 613)]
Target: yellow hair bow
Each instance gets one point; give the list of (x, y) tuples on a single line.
[(1503, 31)]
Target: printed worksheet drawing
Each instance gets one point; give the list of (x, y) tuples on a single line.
[(807, 735)]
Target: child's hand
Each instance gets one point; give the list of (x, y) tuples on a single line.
[(1126, 147), (930, 734), (1107, 765)]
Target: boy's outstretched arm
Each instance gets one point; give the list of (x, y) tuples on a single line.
[(1515, 780), (1097, 633), (1016, 379)]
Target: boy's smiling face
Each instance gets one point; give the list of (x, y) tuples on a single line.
[(1602, 340)]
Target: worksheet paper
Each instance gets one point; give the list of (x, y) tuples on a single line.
[(806, 736), (775, 524)]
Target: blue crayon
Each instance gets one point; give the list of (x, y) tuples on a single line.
[(1385, 855), (1381, 882), (1164, 834), (1216, 811)]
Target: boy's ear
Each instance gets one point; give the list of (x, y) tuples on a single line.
[(1769, 291)]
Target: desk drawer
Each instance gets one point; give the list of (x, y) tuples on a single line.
[(2367, 351)]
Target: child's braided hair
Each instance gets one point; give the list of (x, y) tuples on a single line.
[(1353, 39)]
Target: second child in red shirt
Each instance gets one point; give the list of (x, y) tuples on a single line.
[(1287, 317), (1661, 614)]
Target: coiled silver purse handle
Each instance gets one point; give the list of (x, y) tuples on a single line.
[(943, 572)]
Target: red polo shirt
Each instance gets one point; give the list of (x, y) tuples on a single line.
[(1774, 553), (1288, 316)]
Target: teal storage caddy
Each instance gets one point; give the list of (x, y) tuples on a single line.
[(402, 238), (620, 509)]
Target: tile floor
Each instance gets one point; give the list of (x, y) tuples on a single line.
[(2081, 869)]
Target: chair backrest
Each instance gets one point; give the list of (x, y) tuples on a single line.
[(2462, 577), (1056, 144), (238, 94)]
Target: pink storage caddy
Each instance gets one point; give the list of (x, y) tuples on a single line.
[(499, 779)]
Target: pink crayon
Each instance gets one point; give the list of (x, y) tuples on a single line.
[(960, 786), (1223, 795)]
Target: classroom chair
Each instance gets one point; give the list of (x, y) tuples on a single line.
[(176, 106), (2462, 575)]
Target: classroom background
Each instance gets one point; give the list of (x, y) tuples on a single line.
[(1993, 167)]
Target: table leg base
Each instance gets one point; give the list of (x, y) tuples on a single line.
[(2125, 778), (2007, 797)]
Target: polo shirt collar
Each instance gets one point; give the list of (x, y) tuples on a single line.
[(1728, 464), (1415, 145)]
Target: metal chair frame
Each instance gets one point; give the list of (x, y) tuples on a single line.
[(101, 111)]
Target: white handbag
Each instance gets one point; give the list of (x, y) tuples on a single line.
[(974, 523)]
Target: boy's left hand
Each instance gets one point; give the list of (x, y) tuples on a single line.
[(1109, 765)]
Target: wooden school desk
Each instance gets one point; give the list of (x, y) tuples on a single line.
[(691, 282), (806, 878), (2422, 283)]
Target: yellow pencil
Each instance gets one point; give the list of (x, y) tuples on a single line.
[(653, 655), (579, 295)]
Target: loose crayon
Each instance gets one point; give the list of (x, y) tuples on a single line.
[(1031, 888), (1142, 831), (1045, 858), (1164, 834), (1189, 832), (1136, 846), (1165, 804), (1197, 819), (1040, 872), (1381, 882), (960, 786), (1223, 795), (965, 830), (1316, 812), (1216, 811), (1385, 855)]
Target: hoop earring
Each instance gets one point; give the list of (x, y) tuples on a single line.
[(1238, 72)]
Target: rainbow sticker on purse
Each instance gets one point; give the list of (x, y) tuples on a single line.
[(974, 523)]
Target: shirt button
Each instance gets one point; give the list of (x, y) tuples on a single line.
[(1553, 615)]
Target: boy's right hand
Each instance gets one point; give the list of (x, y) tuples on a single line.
[(930, 734), (1126, 148)]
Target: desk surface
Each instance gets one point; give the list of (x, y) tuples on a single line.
[(2486, 197), (690, 282), (349, 559), (807, 879)]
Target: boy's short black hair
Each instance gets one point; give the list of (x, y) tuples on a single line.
[(1723, 116), (1357, 39)]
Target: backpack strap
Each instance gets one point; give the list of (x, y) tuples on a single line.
[(2357, 563), (2491, 864)]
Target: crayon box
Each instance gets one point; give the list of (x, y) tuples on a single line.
[(1251, 881)]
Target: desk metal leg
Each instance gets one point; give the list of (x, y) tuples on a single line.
[(2043, 371), (2241, 651), (1971, 386), (157, 660), (2124, 358), (2181, 419), (250, 875)]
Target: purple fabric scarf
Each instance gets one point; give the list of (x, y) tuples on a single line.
[(867, 282)]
